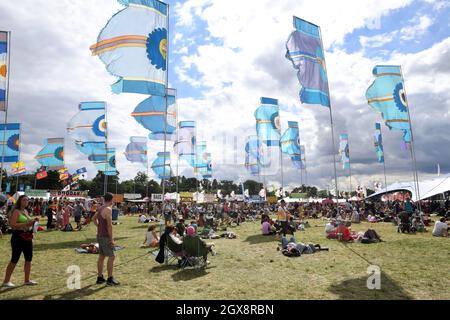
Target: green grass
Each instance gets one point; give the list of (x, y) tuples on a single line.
[(249, 267)]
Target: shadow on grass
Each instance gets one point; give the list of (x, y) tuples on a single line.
[(68, 244), (357, 289), (190, 274), (164, 267), (258, 238), (76, 294)]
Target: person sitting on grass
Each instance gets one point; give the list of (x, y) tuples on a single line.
[(190, 232), (266, 227), (440, 228), (330, 227), (151, 238), (341, 233), (143, 219)]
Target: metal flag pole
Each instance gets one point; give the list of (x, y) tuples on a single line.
[(306, 171), (332, 131), (8, 50), (20, 148), (384, 165), (106, 150), (178, 155), (165, 115), (413, 153), (349, 165)]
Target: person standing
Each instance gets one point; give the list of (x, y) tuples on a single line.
[(103, 220), (49, 213), (77, 213), (282, 217), (21, 241)]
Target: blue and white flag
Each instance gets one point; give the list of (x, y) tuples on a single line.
[(161, 165), (252, 155), (52, 155), (81, 171), (136, 150), (378, 143), (268, 125), (88, 127), (344, 151), (184, 147), (151, 114), (10, 145), (290, 141), (305, 51), (386, 95), (133, 47)]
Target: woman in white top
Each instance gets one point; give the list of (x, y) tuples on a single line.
[(151, 238), (440, 228)]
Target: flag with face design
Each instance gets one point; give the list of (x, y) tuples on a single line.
[(52, 155), (10, 142)]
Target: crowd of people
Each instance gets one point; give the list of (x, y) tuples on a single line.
[(186, 223)]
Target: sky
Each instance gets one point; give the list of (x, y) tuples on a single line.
[(224, 56)]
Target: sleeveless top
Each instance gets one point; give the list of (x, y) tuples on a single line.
[(102, 229)]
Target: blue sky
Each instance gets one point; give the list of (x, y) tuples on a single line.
[(224, 56)]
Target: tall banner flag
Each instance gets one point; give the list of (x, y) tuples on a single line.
[(268, 129), (386, 95), (268, 125), (378, 143), (299, 161), (136, 150), (3, 69), (52, 155), (206, 172), (305, 51), (10, 143), (151, 114), (201, 158), (105, 161), (290, 143), (133, 47), (88, 127), (185, 143), (344, 151), (161, 165), (252, 157)]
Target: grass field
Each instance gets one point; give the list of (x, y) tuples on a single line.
[(249, 267)]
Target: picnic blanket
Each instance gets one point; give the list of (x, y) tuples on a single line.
[(81, 250)]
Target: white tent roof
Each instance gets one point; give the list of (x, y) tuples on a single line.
[(427, 188)]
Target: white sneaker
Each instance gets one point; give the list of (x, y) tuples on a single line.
[(8, 285), (30, 283)]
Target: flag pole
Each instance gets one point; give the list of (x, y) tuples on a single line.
[(178, 156), (332, 132), (106, 149), (8, 49), (412, 149), (349, 165), (165, 115), (384, 165)]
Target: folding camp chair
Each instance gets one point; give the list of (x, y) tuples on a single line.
[(195, 252), (172, 251)]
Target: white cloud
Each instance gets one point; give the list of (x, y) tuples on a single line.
[(417, 29), (377, 41)]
